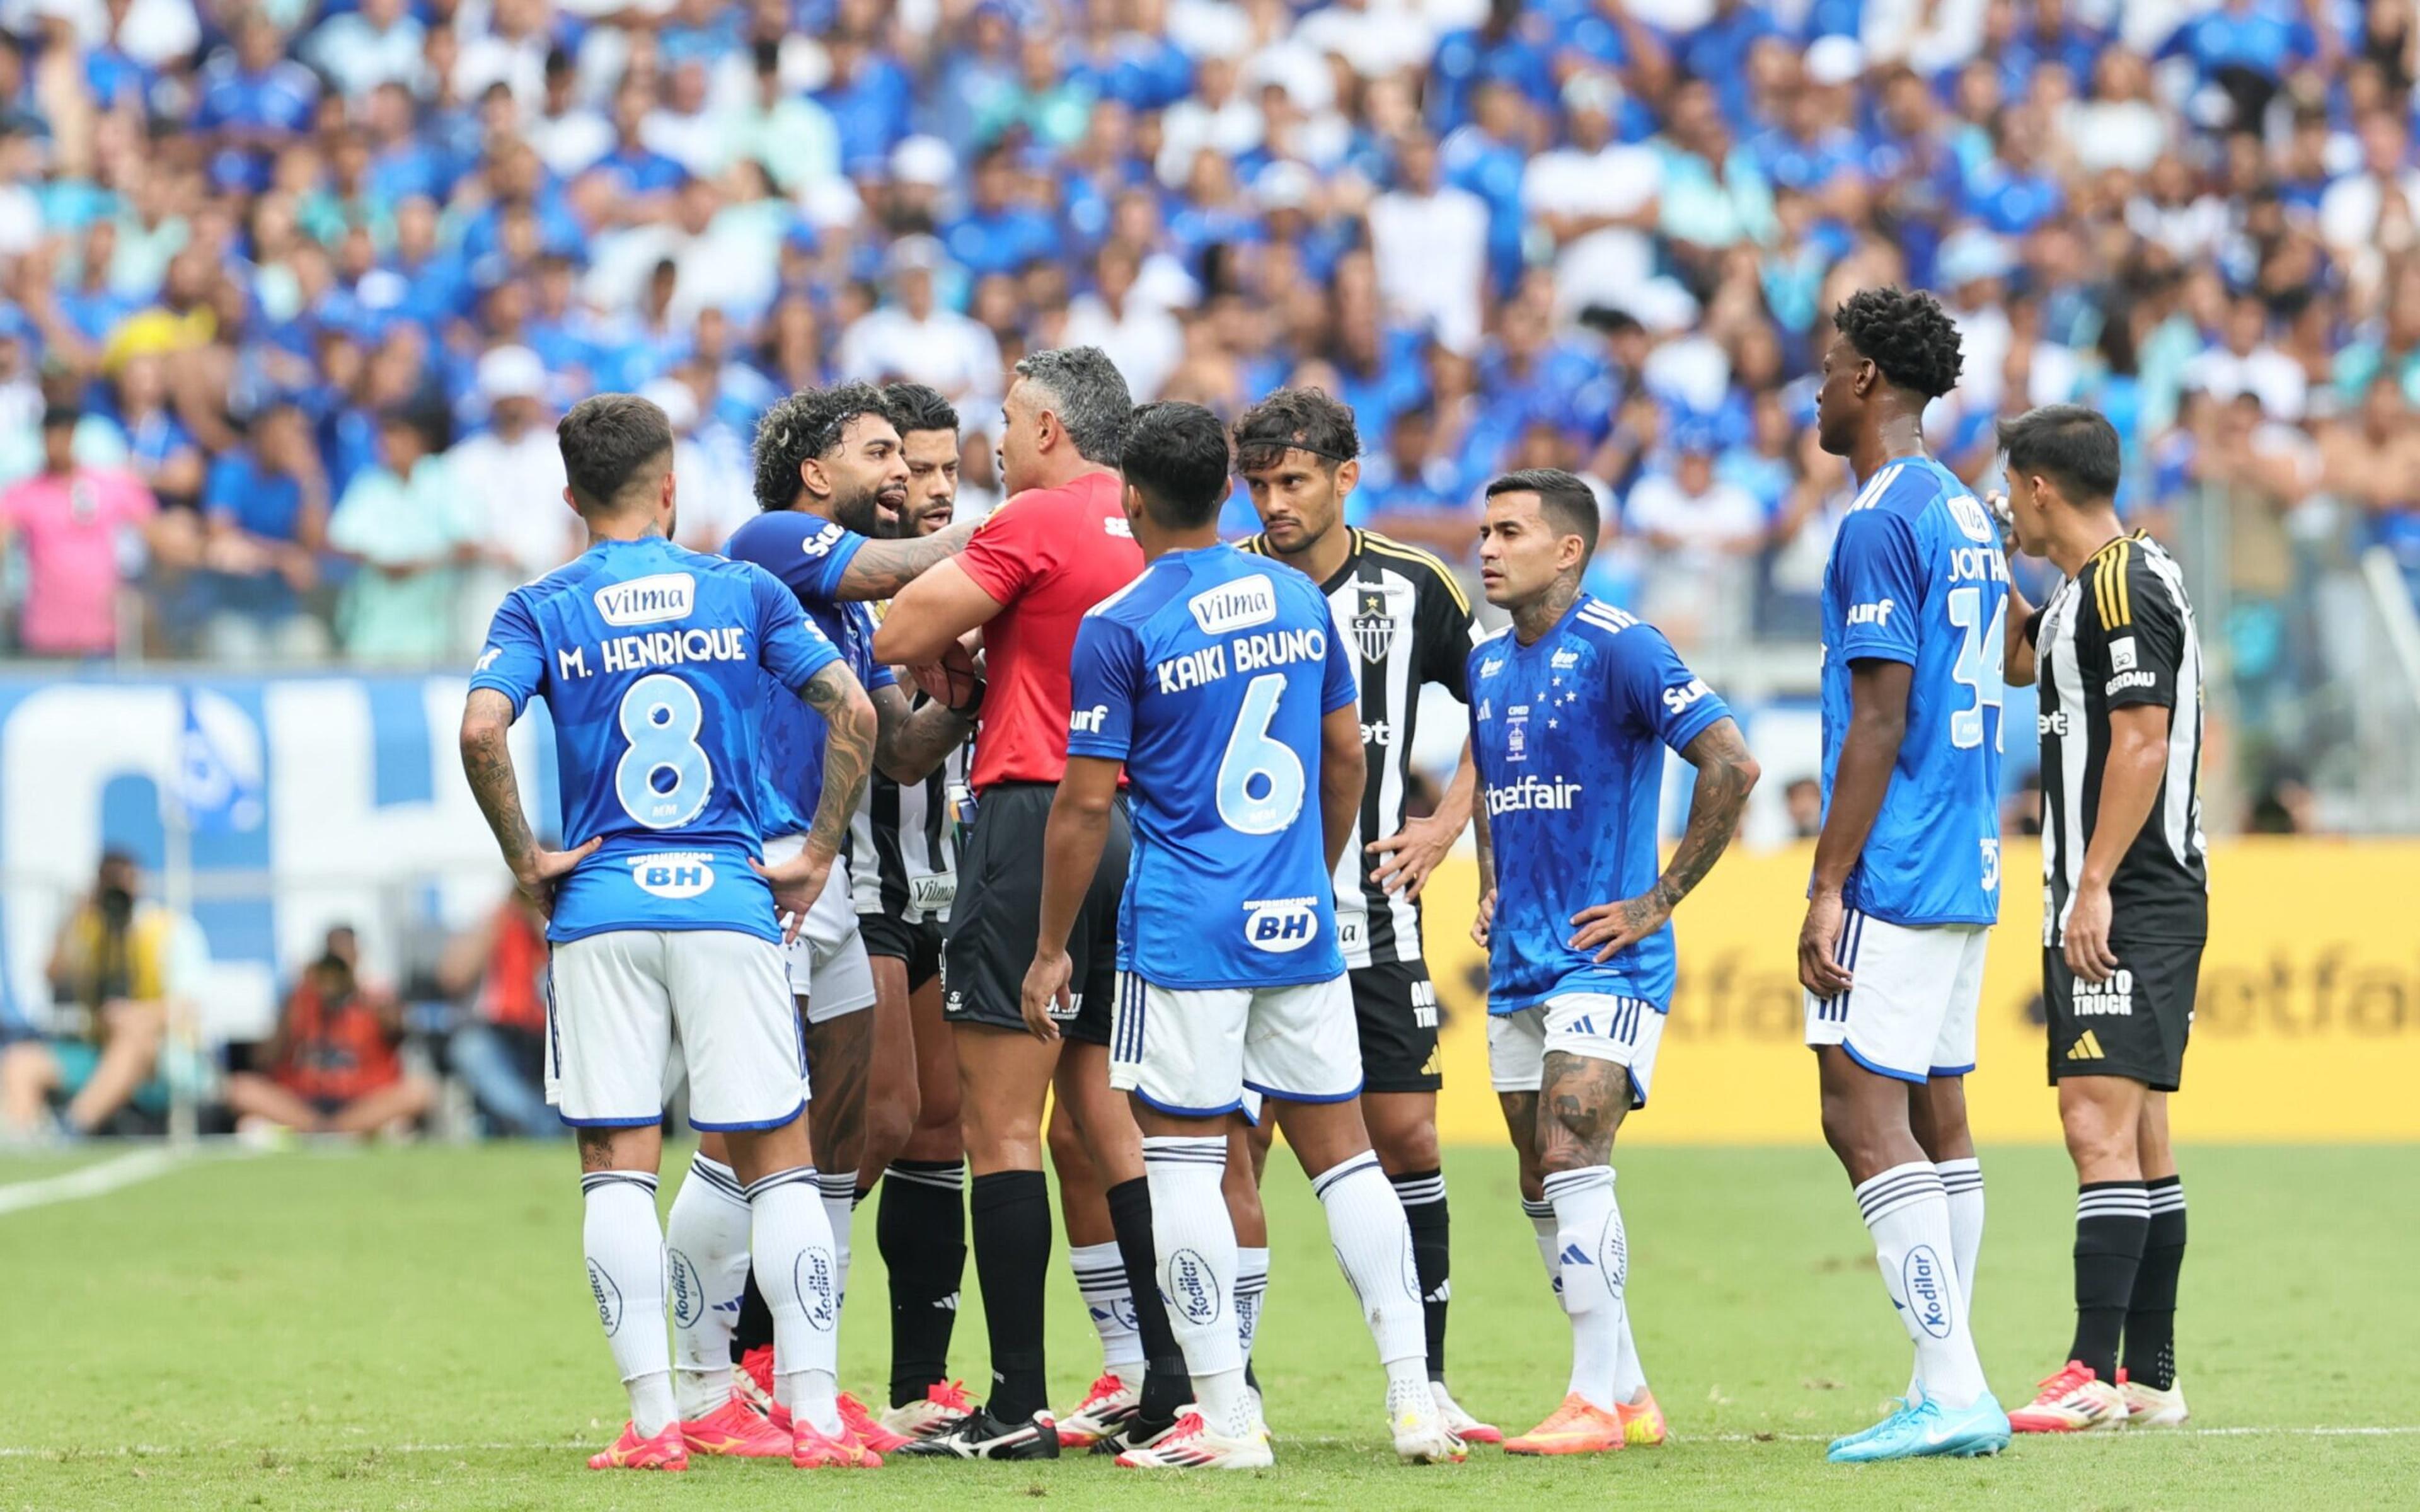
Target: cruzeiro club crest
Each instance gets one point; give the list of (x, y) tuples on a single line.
[(1374, 625)]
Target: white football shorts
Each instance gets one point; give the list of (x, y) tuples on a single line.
[(1599, 1026), (1196, 1052), (1911, 1012), (827, 962), (631, 1011)]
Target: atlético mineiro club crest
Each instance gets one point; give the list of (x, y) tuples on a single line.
[(1373, 626)]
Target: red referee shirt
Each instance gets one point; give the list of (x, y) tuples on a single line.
[(1048, 555)]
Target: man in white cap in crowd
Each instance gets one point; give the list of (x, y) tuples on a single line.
[(913, 336), (511, 474)]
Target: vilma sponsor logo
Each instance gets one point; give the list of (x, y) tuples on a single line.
[(1234, 606), (666, 596), (1191, 1288), (1928, 1293), (609, 1299), (1281, 925), (814, 1279), (672, 874)]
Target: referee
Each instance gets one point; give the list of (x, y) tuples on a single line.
[(1409, 625), (1058, 547), (2126, 900)]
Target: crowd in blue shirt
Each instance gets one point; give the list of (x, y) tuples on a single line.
[(1576, 233)]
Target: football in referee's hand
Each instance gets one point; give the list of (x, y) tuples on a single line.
[(949, 681)]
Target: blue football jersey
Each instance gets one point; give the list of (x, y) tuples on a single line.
[(1569, 735), (809, 553), (652, 660), (1917, 576), (1209, 676)]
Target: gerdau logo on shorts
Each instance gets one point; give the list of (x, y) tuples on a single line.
[(674, 875), (1279, 925)]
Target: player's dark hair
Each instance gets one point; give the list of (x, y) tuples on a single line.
[(1085, 390), (1176, 457), (1907, 334), (807, 423), (1568, 503), (915, 407), (2074, 447), (608, 441), (1306, 420)]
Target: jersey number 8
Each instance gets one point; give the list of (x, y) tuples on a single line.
[(664, 779), (1253, 760)]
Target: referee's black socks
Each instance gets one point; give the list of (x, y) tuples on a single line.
[(1010, 1213), (2111, 1220), (920, 1227), (1166, 1385)]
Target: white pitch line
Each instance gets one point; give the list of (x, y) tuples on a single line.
[(1311, 1441), (91, 1180)]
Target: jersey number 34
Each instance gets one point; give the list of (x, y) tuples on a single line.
[(1979, 669)]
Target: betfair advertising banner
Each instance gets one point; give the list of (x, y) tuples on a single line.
[(2308, 1023)]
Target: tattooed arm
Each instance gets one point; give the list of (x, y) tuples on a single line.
[(1726, 775), (487, 764), (848, 755), (913, 741), (881, 569)]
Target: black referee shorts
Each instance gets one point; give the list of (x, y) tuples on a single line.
[(998, 915), (2134, 1024), (1395, 1007), (919, 944)]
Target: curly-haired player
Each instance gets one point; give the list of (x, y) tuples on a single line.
[(1907, 869)]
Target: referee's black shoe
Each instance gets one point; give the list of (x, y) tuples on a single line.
[(981, 1436)]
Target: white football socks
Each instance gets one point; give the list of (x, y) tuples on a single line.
[(1374, 1244), (705, 1241), (625, 1247), (1592, 1253), (800, 1277), (1101, 1278), (839, 1189), (1963, 1180), (1251, 1286), (1541, 1223), (1909, 1215), (1195, 1243)]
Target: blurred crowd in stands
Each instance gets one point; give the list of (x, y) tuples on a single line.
[(290, 293)]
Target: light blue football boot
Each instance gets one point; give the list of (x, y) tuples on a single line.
[(1929, 1430)]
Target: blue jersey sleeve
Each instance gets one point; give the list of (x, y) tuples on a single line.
[(1105, 675), (1881, 585), (514, 660), (788, 646), (807, 552), (1337, 688), (1662, 695)]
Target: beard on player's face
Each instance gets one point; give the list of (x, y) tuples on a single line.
[(871, 509)]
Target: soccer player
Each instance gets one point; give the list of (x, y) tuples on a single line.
[(1400, 612), (903, 853), (667, 955), (1058, 547), (1907, 883), (1575, 706), (828, 476), (2126, 903), (1218, 681)]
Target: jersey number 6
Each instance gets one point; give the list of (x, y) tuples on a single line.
[(1253, 760)]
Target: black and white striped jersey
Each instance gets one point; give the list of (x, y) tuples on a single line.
[(903, 849), (2119, 633), (1408, 622)]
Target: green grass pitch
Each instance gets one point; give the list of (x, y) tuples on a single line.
[(407, 1329)]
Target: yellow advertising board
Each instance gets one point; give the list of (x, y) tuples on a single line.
[(2307, 1026)]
